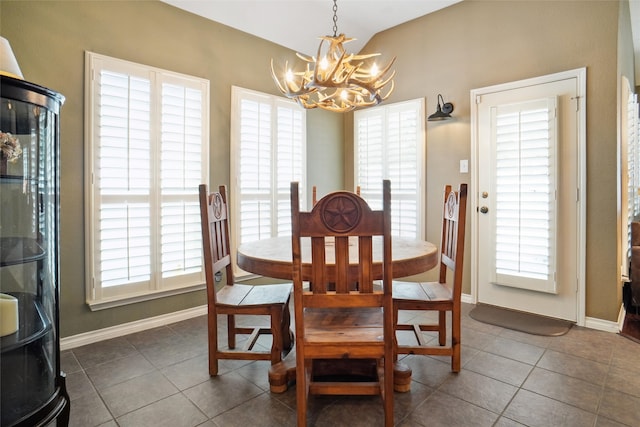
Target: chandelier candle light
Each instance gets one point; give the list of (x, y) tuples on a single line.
[(335, 80)]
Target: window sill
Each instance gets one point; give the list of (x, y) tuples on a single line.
[(96, 305)]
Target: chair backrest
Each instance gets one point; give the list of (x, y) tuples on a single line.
[(345, 223), (454, 215), (315, 194), (214, 218)]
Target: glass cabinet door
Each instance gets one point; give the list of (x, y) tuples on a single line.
[(29, 342)]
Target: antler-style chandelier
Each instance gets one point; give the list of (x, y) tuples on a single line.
[(334, 80)]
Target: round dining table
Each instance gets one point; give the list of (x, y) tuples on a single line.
[(273, 258)]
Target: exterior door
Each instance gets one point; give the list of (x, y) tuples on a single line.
[(527, 229)]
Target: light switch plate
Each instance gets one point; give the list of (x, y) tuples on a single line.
[(464, 166)]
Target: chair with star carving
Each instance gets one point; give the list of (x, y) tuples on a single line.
[(442, 296), (338, 326), (233, 299)]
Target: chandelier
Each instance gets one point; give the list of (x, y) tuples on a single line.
[(335, 80)]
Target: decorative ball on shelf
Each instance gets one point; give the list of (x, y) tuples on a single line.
[(10, 148)]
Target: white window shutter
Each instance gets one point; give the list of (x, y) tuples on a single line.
[(389, 143), (180, 175), (149, 152), (525, 144), (268, 152), (123, 179)]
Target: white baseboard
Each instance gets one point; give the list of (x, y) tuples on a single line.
[(67, 343), (602, 325), (91, 337)]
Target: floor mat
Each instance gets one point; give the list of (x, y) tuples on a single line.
[(520, 321)]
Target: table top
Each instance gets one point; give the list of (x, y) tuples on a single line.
[(272, 257)]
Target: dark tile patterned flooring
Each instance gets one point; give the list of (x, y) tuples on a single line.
[(159, 378)]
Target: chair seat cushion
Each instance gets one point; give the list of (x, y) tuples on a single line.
[(254, 295), (421, 291)]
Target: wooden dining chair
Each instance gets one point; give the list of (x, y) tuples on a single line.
[(238, 299), (347, 329), (442, 296)]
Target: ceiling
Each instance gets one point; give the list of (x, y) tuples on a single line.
[(296, 24)]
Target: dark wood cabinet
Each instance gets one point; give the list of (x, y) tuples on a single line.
[(32, 386)]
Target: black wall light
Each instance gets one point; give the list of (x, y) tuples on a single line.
[(444, 111)]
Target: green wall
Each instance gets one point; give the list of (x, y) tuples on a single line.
[(469, 45)]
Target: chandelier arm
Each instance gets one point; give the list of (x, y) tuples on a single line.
[(275, 78), (365, 56), (381, 84)]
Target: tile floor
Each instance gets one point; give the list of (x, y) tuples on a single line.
[(159, 378)]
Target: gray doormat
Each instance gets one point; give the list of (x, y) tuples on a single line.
[(520, 321)]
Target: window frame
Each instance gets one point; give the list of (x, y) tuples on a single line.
[(97, 296)]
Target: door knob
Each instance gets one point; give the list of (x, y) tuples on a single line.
[(484, 209)]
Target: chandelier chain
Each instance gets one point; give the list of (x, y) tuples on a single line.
[(335, 18)]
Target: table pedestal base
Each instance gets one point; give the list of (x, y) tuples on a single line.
[(284, 373)]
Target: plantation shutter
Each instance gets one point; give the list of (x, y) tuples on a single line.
[(181, 172), (525, 143), (389, 145), (630, 173), (148, 156), (123, 177), (268, 152)]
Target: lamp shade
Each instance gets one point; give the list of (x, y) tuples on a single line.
[(8, 64)]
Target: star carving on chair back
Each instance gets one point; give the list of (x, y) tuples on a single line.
[(341, 213), (451, 205)]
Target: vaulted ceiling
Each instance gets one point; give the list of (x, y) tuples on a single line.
[(296, 24)]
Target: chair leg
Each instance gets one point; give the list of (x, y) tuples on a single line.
[(213, 344), (231, 331), (455, 340), (302, 393), (276, 334), (287, 334), (395, 336), (442, 327), (388, 393)]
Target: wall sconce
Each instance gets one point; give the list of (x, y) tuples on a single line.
[(444, 111)]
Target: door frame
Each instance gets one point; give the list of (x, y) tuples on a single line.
[(580, 74)]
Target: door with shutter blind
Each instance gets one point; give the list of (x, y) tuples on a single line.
[(528, 223)]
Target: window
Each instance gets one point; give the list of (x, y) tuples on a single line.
[(630, 172), (525, 178), (389, 144), (147, 151), (268, 151)]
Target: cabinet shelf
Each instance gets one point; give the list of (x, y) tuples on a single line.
[(19, 250), (15, 178), (33, 323)]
